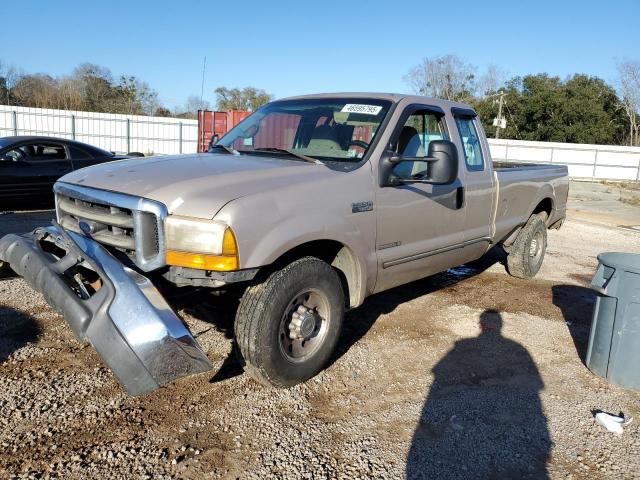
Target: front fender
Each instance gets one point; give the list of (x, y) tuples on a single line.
[(263, 239)]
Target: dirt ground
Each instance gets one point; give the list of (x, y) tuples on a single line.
[(467, 374)]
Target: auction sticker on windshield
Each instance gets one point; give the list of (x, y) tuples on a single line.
[(361, 108)]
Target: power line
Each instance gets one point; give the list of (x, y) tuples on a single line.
[(515, 124)]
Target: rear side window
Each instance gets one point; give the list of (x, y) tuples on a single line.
[(77, 153), (471, 142)]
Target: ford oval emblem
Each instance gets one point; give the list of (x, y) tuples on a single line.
[(86, 227)]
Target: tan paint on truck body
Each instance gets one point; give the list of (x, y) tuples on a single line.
[(275, 204)]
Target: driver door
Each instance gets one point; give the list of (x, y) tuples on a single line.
[(419, 226), (32, 169)]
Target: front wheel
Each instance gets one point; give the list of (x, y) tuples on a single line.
[(287, 326), (527, 252)]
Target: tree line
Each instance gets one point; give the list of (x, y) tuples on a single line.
[(578, 109), (94, 88)]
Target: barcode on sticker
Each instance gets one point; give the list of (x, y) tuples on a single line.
[(361, 108)]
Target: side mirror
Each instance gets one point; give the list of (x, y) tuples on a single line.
[(442, 158), (214, 140)]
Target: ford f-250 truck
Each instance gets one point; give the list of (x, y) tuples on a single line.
[(308, 206)]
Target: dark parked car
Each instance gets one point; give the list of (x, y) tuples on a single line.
[(29, 166)]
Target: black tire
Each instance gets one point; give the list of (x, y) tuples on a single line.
[(264, 319), (5, 270), (527, 252)]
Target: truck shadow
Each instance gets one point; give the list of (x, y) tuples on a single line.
[(221, 314), (17, 329), (360, 320)]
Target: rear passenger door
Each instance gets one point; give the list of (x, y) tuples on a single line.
[(479, 183)]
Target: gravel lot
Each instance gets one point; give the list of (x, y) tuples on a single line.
[(470, 373)]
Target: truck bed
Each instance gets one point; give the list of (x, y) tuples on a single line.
[(519, 184)]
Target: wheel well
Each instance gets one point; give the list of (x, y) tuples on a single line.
[(336, 254), (545, 205)]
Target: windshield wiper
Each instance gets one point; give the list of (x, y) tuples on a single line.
[(225, 148), (288, 152)]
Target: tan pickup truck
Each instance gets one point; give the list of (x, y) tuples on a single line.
[(308, 206)]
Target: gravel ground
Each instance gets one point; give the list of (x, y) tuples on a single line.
[(470, 373)]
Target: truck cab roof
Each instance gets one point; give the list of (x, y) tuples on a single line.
[(393, 97)]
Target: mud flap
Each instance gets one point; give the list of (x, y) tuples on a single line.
[(125, 318)]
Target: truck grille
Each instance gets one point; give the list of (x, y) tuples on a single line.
[(110, 225), (130, 224)]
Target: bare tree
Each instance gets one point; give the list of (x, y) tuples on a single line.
[(194, 104), (71, 94), (39, 90), (491, 80), (629, 86), (9, 76), (446, 77)]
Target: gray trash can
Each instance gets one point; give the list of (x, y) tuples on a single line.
[(614, 342)]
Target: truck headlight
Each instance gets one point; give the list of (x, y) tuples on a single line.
[(201, 244)]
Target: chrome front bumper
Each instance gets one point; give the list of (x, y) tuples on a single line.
[(126, 319)]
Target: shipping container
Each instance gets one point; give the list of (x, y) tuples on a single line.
[(216, 123)]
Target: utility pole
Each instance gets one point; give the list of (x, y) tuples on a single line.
[(500, 122), (204, 68)]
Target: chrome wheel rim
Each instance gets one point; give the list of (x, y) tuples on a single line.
[(535, 248), (304, 325)]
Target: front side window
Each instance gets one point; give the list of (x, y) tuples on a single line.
[(331, 129), (471, 142), (40, 152), (418, 131)]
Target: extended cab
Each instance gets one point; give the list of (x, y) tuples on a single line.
[(307, 206)]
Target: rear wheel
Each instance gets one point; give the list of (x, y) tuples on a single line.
[(527, 252), (287, 325)]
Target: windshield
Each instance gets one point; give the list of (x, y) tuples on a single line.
[(328, 129)]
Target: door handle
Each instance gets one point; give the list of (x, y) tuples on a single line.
[(460, 198)]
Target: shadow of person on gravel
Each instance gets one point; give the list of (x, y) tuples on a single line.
[(483, 417), (576, 303), (16, 330)]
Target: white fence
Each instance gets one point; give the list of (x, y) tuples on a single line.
[(161, 135), (113, 132), (584, 161)]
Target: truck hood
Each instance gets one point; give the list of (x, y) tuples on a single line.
[(197, 185)]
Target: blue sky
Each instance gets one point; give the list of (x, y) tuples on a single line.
[(299, 47)]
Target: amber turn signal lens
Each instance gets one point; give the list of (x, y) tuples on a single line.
[(222, 263), (229, 245)]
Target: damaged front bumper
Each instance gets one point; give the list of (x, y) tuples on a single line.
[(111, 306)]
